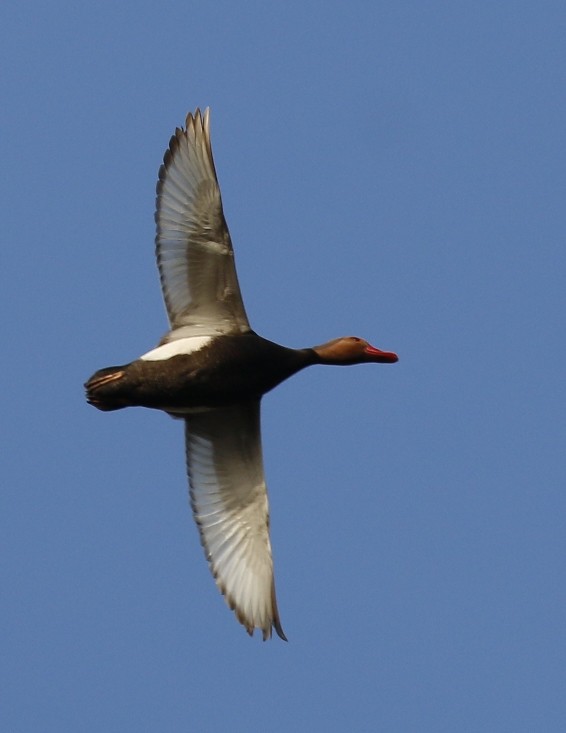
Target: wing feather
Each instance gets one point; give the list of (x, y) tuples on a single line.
[(230, 507), (193, 246)]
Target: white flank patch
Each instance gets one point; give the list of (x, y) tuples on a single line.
[(175, 348)]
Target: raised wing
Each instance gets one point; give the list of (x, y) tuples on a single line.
[(229, 501), (193, 246)]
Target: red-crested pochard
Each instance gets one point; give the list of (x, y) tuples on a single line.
[(212, 370)]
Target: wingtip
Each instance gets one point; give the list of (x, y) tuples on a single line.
[(202, 119), (276, 621), (279, 629), (250, 627), (267, 633)]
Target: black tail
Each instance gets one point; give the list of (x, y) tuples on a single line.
[(106, 389)]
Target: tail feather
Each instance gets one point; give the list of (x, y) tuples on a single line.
[(104, 389)]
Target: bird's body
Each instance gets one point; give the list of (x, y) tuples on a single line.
[(224, 370), (211, 370)]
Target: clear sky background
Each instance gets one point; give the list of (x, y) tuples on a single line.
[(393, 170)]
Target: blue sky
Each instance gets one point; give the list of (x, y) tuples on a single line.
[(390, 170)]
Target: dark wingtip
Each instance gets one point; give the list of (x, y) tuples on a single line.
[(279, 629), (276, 621)]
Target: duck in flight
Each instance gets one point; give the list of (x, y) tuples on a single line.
[(211, 370)]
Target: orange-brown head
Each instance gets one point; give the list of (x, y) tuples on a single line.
[(352, 350)]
